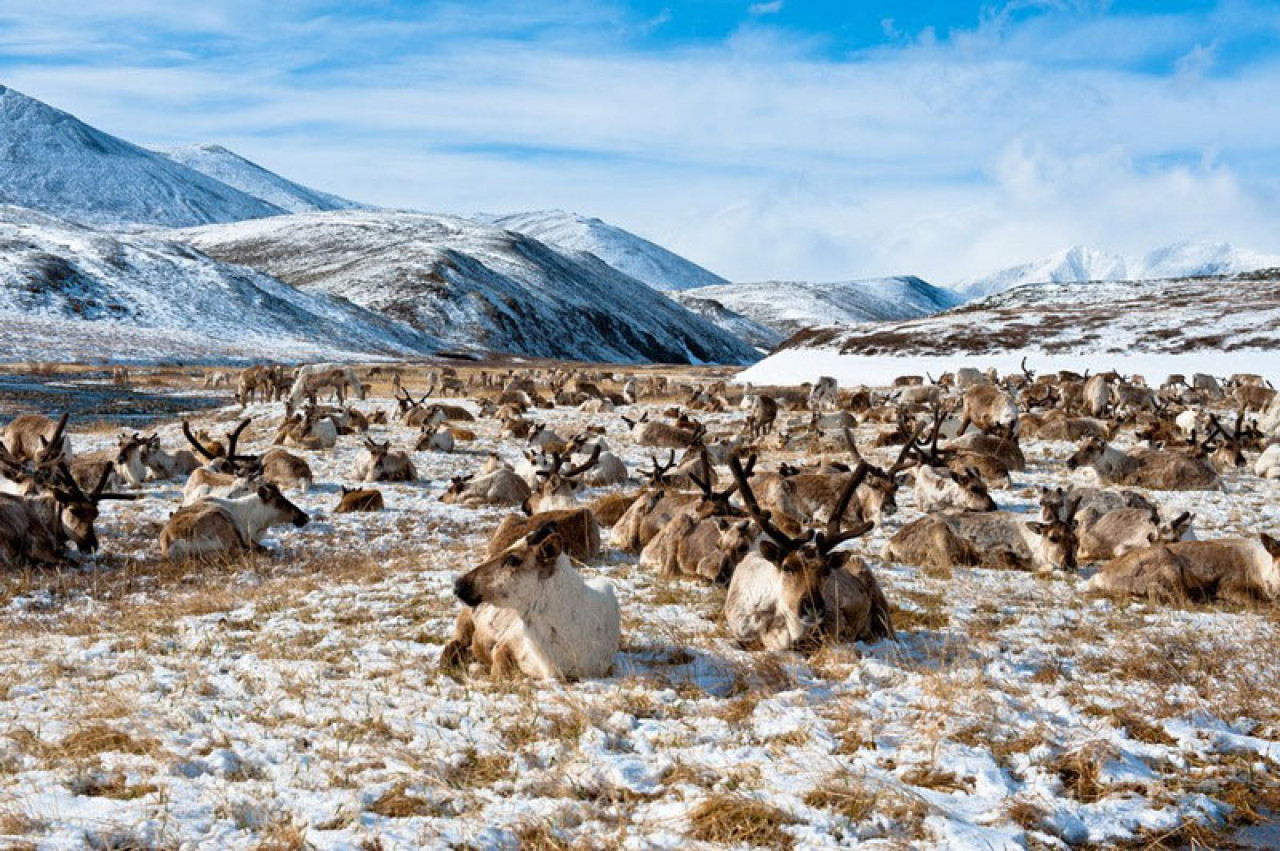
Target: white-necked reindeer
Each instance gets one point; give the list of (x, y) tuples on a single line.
[(529, 611)]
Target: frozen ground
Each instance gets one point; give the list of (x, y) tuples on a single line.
[(290, 700)]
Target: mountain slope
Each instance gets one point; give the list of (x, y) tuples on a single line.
[(52, 161), (474, 285), (760, 336), (1078, 264), (239, 173), (68, 292), (788, 306), (633, 255)]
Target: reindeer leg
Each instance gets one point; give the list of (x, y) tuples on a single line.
[(505, 665), (459, 651)]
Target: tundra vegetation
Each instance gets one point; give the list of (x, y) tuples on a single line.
[(559, 605)]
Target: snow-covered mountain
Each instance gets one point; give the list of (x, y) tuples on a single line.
[(53, 162), (239, 173), (69, 292), (474, 285), (761, 336), (788, 306), (1077, 264), (1100, 320), (633, 255)]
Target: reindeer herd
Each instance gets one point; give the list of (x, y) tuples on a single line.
[(757, 490)]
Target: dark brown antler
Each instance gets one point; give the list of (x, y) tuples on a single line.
[(51, 450), (907, 449), (761, 517), (584, 466), (234, 437), (658, 475), (832, 537), (853, 446), (199, 447)]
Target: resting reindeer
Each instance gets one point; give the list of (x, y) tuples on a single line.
[(558, 488), (529, 610), (36, 438), (25, 536), (651, 511), (217, 525), (500, 487), (941, 489), (227, 473), (1148, 468), (376, 462), (990, 539), (577, 526), (799, 592), (1240, 570), (706, 539), (648, 433), (64, 509), (365, 499), (434, 439), (1101, 536), (989, 409)]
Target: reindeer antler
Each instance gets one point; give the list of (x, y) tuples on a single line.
[(832, 537), (199, 447), (584, 466), (234, 438), (658, 474), (761, 517)]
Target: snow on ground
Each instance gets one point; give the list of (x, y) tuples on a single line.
[(274, 700)]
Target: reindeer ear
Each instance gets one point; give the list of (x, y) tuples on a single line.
[(550, 547), (1038, 528), (1271, 545), (771, 551)]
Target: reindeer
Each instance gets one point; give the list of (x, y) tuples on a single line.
[(25, 536), (309, 429), (651, 511), (660, 435), (217, 525), (1239, 570), (309, 380), (501, 487), (990, 539), (377, 463), (989, 409), (529, 610), (942, 489), (1104, 536), (706, 539), (578, 527), (159, 464), (226, 473), (38, 439), (286, 470), (761, 416), (434, 439), (1148, 468), (558, 489), (364, 499), (1268, 464), (1060, 504), (128, 463), (799, 592)]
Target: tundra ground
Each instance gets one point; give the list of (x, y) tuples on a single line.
[(292, 700)]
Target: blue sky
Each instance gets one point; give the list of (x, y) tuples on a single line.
[(767, 139)]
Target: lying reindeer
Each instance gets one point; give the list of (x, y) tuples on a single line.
[(500, 487), (38, 439), (799, 592), (558, 489), (377, 463), (366, 499), (529, 610), (1148, 468), (990, 539), (1238, 570), (1104, 536), (577, 526), (215, 525)]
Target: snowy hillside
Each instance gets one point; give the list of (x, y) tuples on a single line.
[(472, 284), (53, 162), (638, 257), (1077, 264), (760, 336), (788, 306), (239, 173), (1152, 327), (69, 292)]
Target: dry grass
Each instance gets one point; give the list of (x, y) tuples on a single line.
[(855, 801), (737, 820), (1080, 771), (398, 802)]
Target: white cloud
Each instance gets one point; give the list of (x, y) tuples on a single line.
[(772, 7), (759, 157)]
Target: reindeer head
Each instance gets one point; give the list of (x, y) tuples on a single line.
[(284, 510), (1089, 451), (803, 563), (514, 578), (1176, 529), (78, 510), (457, 489), (1058, 538)]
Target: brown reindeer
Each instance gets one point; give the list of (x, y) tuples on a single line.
[(1148, 468), (800, 592), (577, 527), (376, 462), (1239, 570), (362, 499)]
